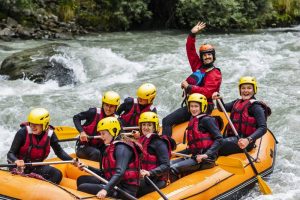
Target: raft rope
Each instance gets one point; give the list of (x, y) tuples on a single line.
[(37, 176)]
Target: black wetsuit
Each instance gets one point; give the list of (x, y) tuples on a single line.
[(187, 166), (230, 145), (86, 151), (156, 147), (126, 106), (50, 173), (91, 185)]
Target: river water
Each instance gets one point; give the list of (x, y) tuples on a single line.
[(123, 61)]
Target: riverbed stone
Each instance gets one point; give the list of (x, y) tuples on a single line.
[(34, 64)]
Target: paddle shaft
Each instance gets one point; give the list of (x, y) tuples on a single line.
[(129, 128), (181, 154), (38, 163), (156, 188), (89, 137), (129, 196), (237, 135), (77, 138)]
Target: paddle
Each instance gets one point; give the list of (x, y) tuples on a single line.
[(77, 138), (39, 163), (192, 156), (129, 196), (69, 132), (232, 165), (156, 188), (181, 154), (263, 186), (89, 137), (65, 132)]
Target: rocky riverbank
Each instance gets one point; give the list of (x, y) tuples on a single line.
[(52, 19), (24, 22)]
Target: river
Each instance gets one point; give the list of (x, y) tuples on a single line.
[(123, 61)]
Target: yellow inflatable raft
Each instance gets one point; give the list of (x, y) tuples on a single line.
[(214, 183)]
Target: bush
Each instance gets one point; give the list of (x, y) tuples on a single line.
[(286, 12), (221, 15), (67, 9)]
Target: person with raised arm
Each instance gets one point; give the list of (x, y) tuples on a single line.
[(206, 78)]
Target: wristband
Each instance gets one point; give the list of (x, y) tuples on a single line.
[(250, 139)]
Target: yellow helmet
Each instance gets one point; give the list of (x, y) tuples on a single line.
[(111, 124), (147, 91), (249, 80), (149, 117), (111, 97), (200, 98), (39, 116)]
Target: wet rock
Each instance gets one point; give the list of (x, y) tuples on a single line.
[(11, 22), (34, 64)]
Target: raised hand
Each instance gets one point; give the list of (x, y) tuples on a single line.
[(199, 26)]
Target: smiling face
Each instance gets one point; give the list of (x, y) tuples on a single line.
[(207, 58), (194, 108), (142, 101), (36, 128), (247, 91), (148, 127), (109, 109), (106, 136)]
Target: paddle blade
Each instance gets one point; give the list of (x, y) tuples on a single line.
[(263, 186), (66, 132), (232, 165)]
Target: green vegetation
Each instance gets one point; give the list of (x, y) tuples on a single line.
[(286, 12), (118, 15), (67, 9), (29, 4)]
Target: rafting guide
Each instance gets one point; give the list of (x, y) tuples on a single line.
[(206, 78)]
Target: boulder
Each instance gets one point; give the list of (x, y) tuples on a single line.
[(34, 64)]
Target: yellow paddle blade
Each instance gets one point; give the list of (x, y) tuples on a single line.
[(263, 186), (66, 132), (232, 165)]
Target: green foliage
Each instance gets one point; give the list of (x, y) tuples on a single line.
[(113, 15), (3, 15), (221, 14), (89, 20), (118, 15), (67, 9), (25, 4), (286, 12)]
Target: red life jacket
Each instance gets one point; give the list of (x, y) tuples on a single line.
[(150, 161), (132, 173), (199, 141), (131, 118), (91, 129), (34, 150), (244, 124)]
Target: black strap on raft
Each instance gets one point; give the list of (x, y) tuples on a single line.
[(185, 98), (184, 136)]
